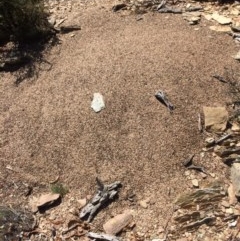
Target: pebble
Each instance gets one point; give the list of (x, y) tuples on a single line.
[(225, 204), (143, 204), (221, 19), (74, 211), (210, 140), (52, 20), (232, 224), (212, 175), (229, 210), (161, 230), (82, 202), (195, 183), (187, 173), (203, 175), (97, 102), (192, 176), (236, 212)]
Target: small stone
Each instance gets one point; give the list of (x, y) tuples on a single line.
[(74, 211), (213, 175), (88, 197), (52, 20), (192, 176), (221, 19), (195, 183), (225, 204), (161, 230), (210, 140), (207, 16), (97, 102), (187, 173), (203, 175), (236, 212), (229, 210), (235, 127), (232, 224), (82, 202), (143, 203), (192, 17)]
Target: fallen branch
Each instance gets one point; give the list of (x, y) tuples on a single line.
[(170, 10), (102, 236), (105, 194), (160, 95)]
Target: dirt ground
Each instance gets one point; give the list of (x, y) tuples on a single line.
[(48, 128)]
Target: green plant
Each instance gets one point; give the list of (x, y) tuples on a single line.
[(23, 20), (59, 188)]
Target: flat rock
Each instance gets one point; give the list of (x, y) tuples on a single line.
[(225, 204), (117, 223), (97, 102), (47, 199), (235, 178), (207, 16), (221, 19), (215, 118), (192, 17), (220, 28)]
